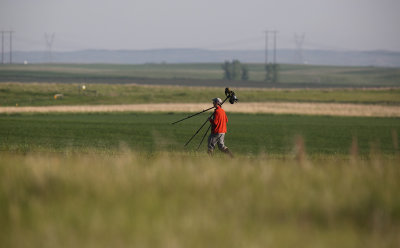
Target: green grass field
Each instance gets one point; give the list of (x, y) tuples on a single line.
[(42, 94), (153, 73), (270, 134)]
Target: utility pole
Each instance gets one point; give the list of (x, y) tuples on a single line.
[(2, 45), (266, 47), (271, 68), (274, 45), (299, 40), (11, 47), (49, 44)]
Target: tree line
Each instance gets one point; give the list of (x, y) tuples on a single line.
[(237, 71)]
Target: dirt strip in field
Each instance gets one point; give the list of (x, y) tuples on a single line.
[(334, 109)]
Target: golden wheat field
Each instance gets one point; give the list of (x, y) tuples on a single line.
[(334, 109)]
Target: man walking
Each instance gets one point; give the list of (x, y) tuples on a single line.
[(218, 129)]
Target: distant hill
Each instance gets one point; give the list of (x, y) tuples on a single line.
[(287, 56)]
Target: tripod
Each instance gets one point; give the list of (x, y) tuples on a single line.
[(205, 134), (232, 99)]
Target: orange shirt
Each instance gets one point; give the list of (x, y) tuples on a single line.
[(218, 124)]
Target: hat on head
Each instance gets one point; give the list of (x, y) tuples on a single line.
[(217, 100)]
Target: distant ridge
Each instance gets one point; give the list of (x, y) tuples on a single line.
[(286, 56)]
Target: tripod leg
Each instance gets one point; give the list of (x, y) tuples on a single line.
[(196, 132), (192, 115), (205, 134)]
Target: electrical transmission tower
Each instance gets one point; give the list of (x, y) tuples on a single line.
[(49, 45), (299, 40), (271, 68), (2, 45)]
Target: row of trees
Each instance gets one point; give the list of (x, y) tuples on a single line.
[(237, 71)]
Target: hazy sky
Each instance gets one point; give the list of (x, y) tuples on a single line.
[(209, 24)]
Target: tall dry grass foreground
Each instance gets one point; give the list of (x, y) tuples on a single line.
[(183, 200), (334, 109)]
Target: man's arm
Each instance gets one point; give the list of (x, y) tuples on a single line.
[(212, 118)]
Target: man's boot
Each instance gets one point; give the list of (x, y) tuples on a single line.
[(226, 150), (210, 152)]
